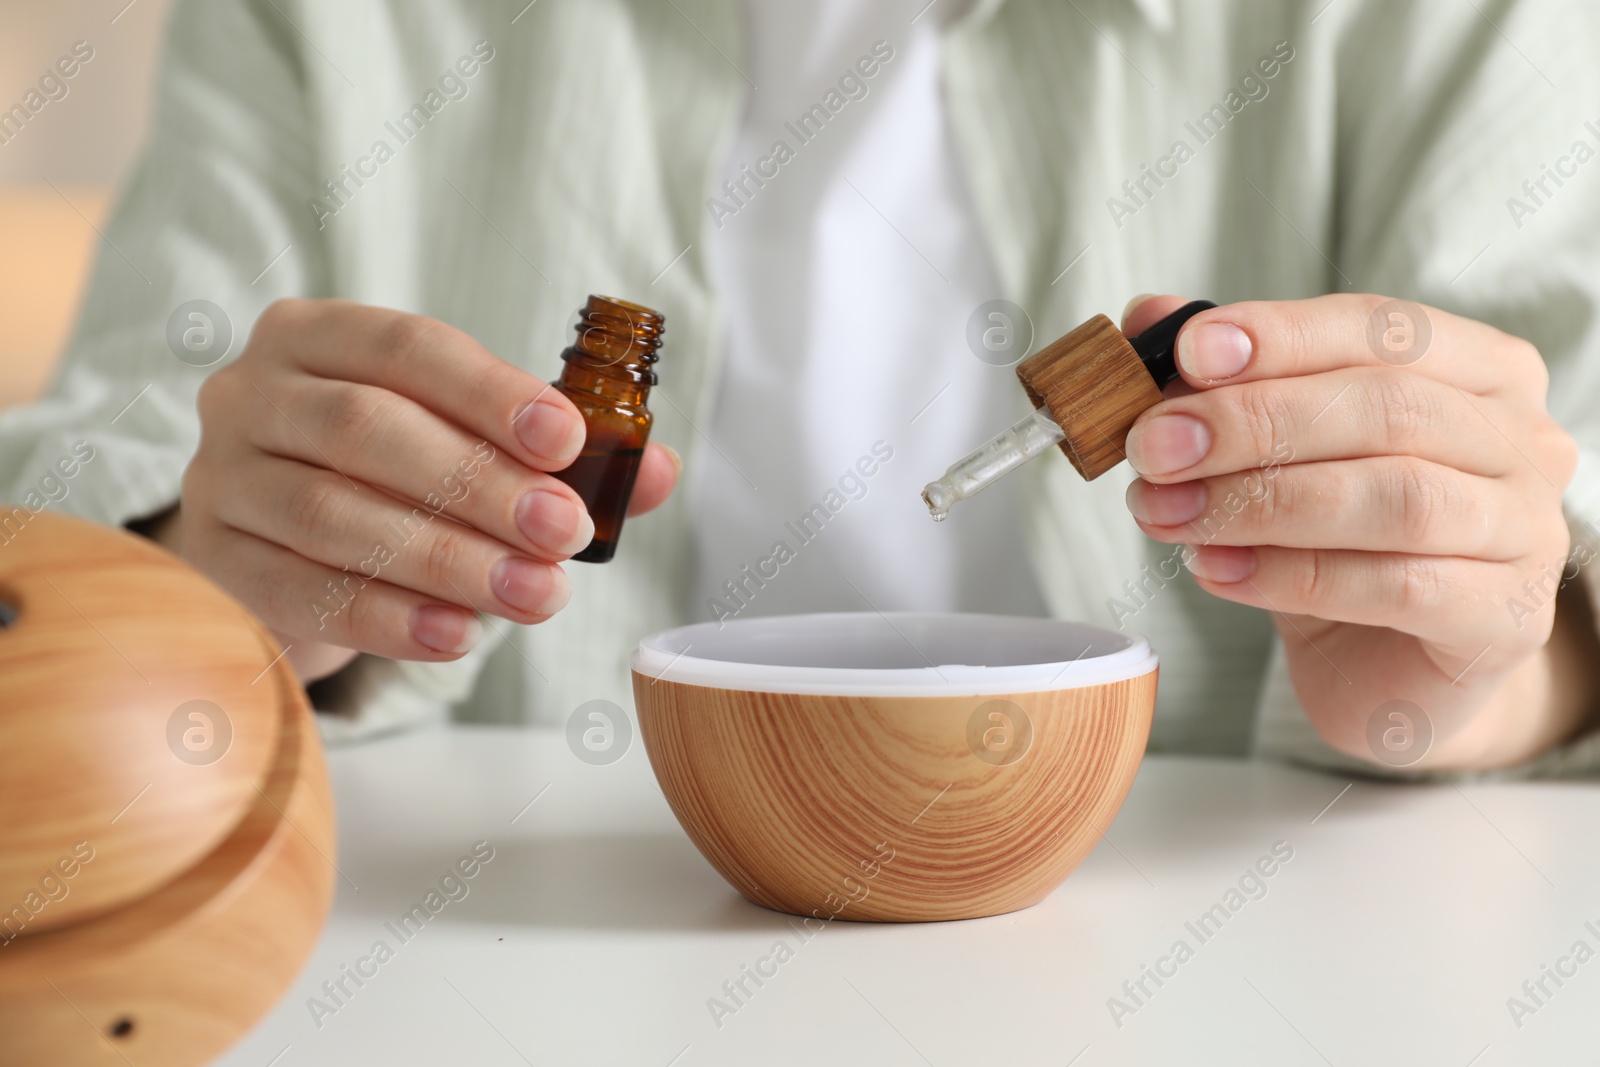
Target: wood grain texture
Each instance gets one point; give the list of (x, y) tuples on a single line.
[(110, 635), (190, 965), (1094, 386), (795, 798)]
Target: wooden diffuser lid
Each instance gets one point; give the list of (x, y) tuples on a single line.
[(166, 829), (132, 722), (1094, 385)]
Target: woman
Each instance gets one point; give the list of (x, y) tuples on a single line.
[(403, 208)]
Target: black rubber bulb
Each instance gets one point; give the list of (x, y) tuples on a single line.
[(1157, 346)]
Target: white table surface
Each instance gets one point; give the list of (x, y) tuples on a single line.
[(596, 935)]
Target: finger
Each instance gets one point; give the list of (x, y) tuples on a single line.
[(304, 599), (1383, 504), (436, 365), (325, 518), (659, 471), (1284, 339), (1340, 414), (378, 438), (1436, 598)]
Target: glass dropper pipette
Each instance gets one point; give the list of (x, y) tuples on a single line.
[(1088, 387)]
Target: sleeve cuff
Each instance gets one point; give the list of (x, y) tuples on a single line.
[(374, 696)]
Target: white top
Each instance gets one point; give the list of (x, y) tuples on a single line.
[(848, 278)]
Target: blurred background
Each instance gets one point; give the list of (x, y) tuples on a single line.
[(58, 173)]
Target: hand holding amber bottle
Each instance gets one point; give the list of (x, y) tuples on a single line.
[(366, 480)]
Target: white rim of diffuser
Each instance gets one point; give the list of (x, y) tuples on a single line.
[(700, 655)]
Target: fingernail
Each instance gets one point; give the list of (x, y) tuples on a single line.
[(1223, 564), (554, 523), (535, 588), (550, 431), (1166, 505), (677, 460), (445, 629), (1167, 443), (1213, 351), (1135, 302)]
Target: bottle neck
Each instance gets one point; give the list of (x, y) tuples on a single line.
[(605, 386), (616, 350)]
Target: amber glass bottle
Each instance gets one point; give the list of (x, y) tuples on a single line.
[(608, 375)]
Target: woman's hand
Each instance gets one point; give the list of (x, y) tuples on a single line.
[(1385, 479), (366, 480)]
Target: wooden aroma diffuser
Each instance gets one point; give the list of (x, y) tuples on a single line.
[(166, 830), (894, 768)]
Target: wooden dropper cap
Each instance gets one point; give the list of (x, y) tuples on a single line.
[(1095, 382)]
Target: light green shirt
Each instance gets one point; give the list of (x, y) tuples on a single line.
[(1112, 147)]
